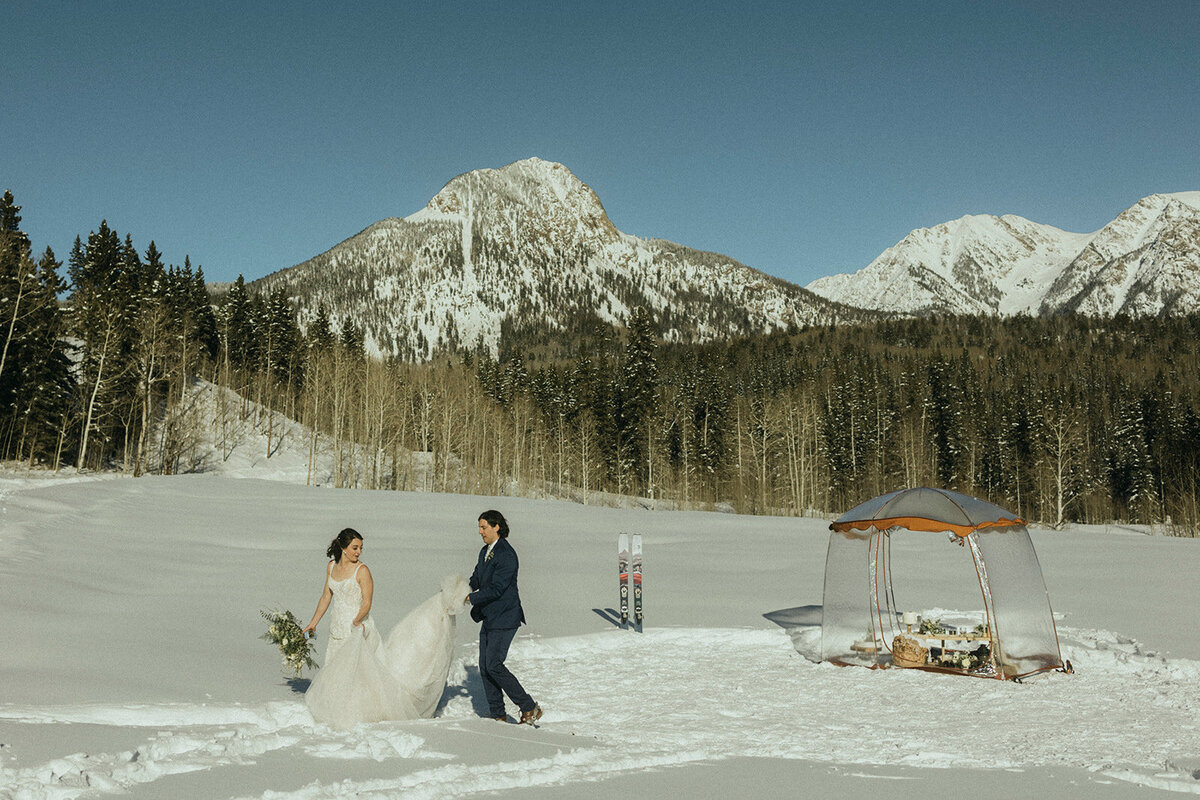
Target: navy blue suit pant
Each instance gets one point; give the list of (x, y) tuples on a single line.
[(493, 649)]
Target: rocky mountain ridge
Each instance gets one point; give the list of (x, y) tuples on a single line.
[(1144, 262), (530, 245)]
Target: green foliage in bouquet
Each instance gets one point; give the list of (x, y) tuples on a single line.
[(932, 626), (285, 632)]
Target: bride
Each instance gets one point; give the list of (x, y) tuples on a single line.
[(366, 678)]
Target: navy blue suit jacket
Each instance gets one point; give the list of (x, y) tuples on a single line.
[(495, 600)]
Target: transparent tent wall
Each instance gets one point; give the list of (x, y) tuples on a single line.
[(846, 607), (1024, 622)]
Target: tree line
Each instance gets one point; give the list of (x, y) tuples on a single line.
[(1059, 419)]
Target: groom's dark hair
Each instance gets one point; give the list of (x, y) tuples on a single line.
[(341, 542), (495, 518)]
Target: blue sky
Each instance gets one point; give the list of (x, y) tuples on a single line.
[(801, 139)]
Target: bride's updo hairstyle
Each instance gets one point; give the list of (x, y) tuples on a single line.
[(341, 542), (495, 518)]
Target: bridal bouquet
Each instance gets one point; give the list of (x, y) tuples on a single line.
[(285, 631)]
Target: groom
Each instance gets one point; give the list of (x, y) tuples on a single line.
[(496, 603)]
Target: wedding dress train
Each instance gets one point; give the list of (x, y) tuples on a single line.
[(366, 678)]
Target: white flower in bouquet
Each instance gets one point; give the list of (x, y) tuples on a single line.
[(294, 646)]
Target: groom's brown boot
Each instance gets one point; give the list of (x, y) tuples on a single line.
[(531, 716)]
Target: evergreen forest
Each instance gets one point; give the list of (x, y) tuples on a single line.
[(1060, 419)]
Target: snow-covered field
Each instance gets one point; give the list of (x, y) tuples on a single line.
[(130, 663)]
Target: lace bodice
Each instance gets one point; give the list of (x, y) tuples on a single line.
[(347, 600)]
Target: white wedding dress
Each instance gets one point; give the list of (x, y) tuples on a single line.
[(368, 679)]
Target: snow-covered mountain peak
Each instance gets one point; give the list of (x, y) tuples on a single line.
[(1143, 222), (1146, 261), (1141, 262), (978, 263), (1187, 198), (529, 246), (540, 190)]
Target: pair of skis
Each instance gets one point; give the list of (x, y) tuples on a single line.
[(630, 556)]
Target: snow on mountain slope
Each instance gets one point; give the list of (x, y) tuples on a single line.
[(1146, 261), (975, 264), (529, 245)]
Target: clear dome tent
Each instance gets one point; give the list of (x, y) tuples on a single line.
[(1014, 634)]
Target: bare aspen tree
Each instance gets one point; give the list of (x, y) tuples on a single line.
[(1059, 444), (151, 366), (586, 439), (25, 278), (449, 414), (312, 378), (107, 342), (793, 438)]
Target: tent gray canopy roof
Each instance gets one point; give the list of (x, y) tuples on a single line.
[(925, 510)]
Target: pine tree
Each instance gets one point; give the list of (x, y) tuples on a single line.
[(320, 335), (49, 383), (154, 328), (202, 312), (639, 406), (100, 317), (710, 418), (351, 340), (282, 339), (240, 329), (18, 275), (34, 370)]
